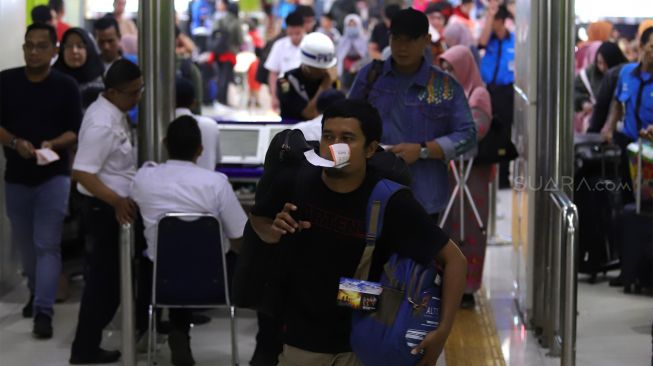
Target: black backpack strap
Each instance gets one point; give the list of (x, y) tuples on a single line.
[(375, 71)]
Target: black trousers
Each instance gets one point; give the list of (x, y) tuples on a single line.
[(623, 141), (269, 340), (101, 295), (225, 76), (502, 98)]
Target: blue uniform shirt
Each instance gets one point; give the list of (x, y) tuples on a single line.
[(631, 82), (498, 64), (427, 106)]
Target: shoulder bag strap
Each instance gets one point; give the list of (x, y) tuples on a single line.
[(375, 71), (588, 86), (376, 205)]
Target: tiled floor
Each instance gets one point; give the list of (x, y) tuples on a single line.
[(613, 328)]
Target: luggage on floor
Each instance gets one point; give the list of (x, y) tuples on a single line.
[(598, 199)]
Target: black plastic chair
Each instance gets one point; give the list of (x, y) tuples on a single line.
[(189, 270)]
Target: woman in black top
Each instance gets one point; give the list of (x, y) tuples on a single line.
[(79, 58)]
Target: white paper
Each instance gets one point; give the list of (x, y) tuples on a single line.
[(339, 155), (46, 156)]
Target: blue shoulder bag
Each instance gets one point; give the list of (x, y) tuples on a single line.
[(409, 306)]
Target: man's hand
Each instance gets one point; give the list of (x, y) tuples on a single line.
[(25, 149), (606, 134), (408, 152), (126, 210), (587, 108), (327, 80), (284, 223), (432, 345), (46, 145), (647, 132)]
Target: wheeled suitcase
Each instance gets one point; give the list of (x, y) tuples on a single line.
[(637, 224), (599, 206)]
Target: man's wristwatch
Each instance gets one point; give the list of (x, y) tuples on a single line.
[(423, 151), (13, 142)]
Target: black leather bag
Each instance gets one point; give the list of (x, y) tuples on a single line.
[(496, 146)]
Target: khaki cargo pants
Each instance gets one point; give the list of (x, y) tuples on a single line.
[(292, 356)]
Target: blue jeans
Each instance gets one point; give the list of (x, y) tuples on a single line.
[(36, 214)]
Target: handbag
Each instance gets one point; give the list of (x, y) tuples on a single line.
[(496, 146), (409, 305)]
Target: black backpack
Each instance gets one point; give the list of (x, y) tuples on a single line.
[(256, 281)]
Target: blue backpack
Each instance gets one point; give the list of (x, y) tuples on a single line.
[(409, 306)]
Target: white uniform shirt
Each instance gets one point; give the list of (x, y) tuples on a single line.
[(105, 147), (312, 129), (182, 186), (284, 56), (211, 155)]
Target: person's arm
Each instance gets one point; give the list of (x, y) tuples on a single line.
[(615, 115), (486, 32), (125, 208), (454, 278), (61, 142), (23, 147), (272, 84), (581, 94)]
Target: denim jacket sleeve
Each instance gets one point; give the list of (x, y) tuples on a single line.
[(463, 134)]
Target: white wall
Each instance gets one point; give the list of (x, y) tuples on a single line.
[(12, 13), (12, 26)]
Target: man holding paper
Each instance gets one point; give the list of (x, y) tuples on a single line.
[(40, 108)]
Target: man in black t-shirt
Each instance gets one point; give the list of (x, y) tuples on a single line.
[(318, 218), (299, 88), (380, 38), (40, 109)]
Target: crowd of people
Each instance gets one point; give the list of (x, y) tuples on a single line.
[(426, 83)]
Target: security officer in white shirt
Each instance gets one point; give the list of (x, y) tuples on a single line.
[(285, 54), (186, 101), (104, 167), (179, 185)]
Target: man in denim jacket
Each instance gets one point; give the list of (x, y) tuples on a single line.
[(426, 118)]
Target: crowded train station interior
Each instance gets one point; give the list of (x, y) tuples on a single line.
[(326, 182)]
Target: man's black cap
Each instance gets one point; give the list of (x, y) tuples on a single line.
[(409, 22)]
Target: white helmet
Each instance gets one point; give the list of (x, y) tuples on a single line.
[(318, 51)]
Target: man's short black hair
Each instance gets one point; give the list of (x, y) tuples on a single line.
[(365, 113), (502, 13), (409, 22), (184, 93), (295, 19), (107, 22), (305, 10), (41, 14), (327, 98), (43, 26), (56, 5), (646, 36), (183, 138), (391, 10), (440, 7), (121, 73)]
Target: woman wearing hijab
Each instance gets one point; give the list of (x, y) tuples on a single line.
[(352, 50), (588, 81), (78, 57), (459, 62), (456, 33)]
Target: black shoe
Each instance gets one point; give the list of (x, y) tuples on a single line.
[(103, 356), (200, 319), (42, 326), (468, 301), (179, 343), (616, 282), (28, 309)]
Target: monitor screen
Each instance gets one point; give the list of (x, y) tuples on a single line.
[(239, 143)]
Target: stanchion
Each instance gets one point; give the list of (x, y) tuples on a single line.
[(127, 295), (493, 238)]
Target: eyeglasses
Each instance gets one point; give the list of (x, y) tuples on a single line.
[(71, 46), (40, 47), (136, 93)]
